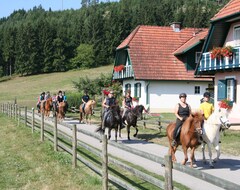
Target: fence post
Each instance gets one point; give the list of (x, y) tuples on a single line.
[(74, 146), (168, 173), (144, 125), (10, 106), (8, 109), (159, 125), (25, 119), (42, 127), (104, 163), (15, 114), (55, 132), (19, 115), (33, 120)]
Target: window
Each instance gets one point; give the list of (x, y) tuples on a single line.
[(127, 87), (197, 56), (197, 90), (137, 90), (227, 89), (236, 35)]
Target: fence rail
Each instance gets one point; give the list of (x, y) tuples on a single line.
[(53, 133)]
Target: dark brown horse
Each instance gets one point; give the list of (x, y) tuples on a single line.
[(88, 111), (189, 136), (61, 110), (131, 117), (112, 120)]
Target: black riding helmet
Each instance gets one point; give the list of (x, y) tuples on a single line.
[(182, 95), (206, 94)]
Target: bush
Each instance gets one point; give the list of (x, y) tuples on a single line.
[(74, 99)]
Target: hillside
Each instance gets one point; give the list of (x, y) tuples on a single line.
[(27, 89)]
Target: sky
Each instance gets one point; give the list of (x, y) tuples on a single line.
[(7, 7)]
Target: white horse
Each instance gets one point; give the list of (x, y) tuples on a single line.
[(211, 133)]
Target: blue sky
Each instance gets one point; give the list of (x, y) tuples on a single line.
[(7, 7)]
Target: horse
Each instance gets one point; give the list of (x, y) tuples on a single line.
[(88, 111), (112, 120), (189, 136), (131, 117), (61, 110), (211, 133), (47, 107)]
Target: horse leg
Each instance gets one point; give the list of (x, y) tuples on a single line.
[(192, 157), (210, 155), (128, 131), (119, 130), (203, 153), (109, 133), (217, 148), (80, 117), (136, 131), (185, 155), (116, 131)]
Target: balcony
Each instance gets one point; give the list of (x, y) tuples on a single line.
[(210, 66), (127, 72)]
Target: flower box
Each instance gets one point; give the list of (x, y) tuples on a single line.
[(119, 68), (226, 104), (219, 52)]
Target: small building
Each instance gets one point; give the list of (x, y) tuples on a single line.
[(157, 63)]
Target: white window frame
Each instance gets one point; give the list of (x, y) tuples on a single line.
[(197, 55), (230, 88), (236, 38)]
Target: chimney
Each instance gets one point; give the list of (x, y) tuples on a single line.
[(176, 26)]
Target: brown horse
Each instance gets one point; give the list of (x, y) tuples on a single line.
[(61, 110), (88, 111), (189, 136), (47, 107)]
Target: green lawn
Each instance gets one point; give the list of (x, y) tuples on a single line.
[(27, 89), (26, 163)]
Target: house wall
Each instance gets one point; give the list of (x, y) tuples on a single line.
[(229, 40), (236, 106), (164, 95)]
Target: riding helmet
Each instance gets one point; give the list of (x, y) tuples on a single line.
[(206, 94), (182, 95)]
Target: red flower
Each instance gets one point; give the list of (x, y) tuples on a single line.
[(105, 92), (119, 68), (226, 104)]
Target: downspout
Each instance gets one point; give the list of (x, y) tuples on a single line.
[(147, 94)]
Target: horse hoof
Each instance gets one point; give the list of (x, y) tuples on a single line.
[(211, 166), (134, 135)]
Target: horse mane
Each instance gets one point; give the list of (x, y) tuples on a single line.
[(197, 116)]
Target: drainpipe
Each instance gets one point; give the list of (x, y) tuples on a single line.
[(147, 94)]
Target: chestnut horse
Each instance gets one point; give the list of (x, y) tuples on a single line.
[(189, 136), (47, 107), (88, 111), (61, 110)]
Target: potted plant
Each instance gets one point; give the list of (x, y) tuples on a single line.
[(226, 104), (216, 53), (119, 68), (227, 51)]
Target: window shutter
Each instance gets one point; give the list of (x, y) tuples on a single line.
[(221, 90), (135, 90)]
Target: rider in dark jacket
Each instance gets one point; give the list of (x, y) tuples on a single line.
[(85, 99)]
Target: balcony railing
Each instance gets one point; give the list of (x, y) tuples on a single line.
[(208, 64), (127, 72)]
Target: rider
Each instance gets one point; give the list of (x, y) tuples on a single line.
[(54, 101), (40, 99), (65, 100), (206, 107), (59, 98), (182, 112), (85, 99), (108, 102), (127, 104)]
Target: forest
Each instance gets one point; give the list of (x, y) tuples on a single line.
[(44, 41)]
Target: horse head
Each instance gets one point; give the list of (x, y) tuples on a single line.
[(221, 117), (194, 121), (138, 110)]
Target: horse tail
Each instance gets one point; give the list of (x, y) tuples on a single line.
[(99, 129)]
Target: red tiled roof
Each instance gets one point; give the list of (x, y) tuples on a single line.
[(192, 42), (230, 8), (152, 53)]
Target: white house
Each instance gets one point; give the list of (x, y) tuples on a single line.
[(158, 63)]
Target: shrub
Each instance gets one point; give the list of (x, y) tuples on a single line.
[(74, 99)]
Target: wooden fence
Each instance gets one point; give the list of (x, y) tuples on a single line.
[(53, 132)]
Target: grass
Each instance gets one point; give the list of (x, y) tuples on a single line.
[(26, 163), (27, 89)]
